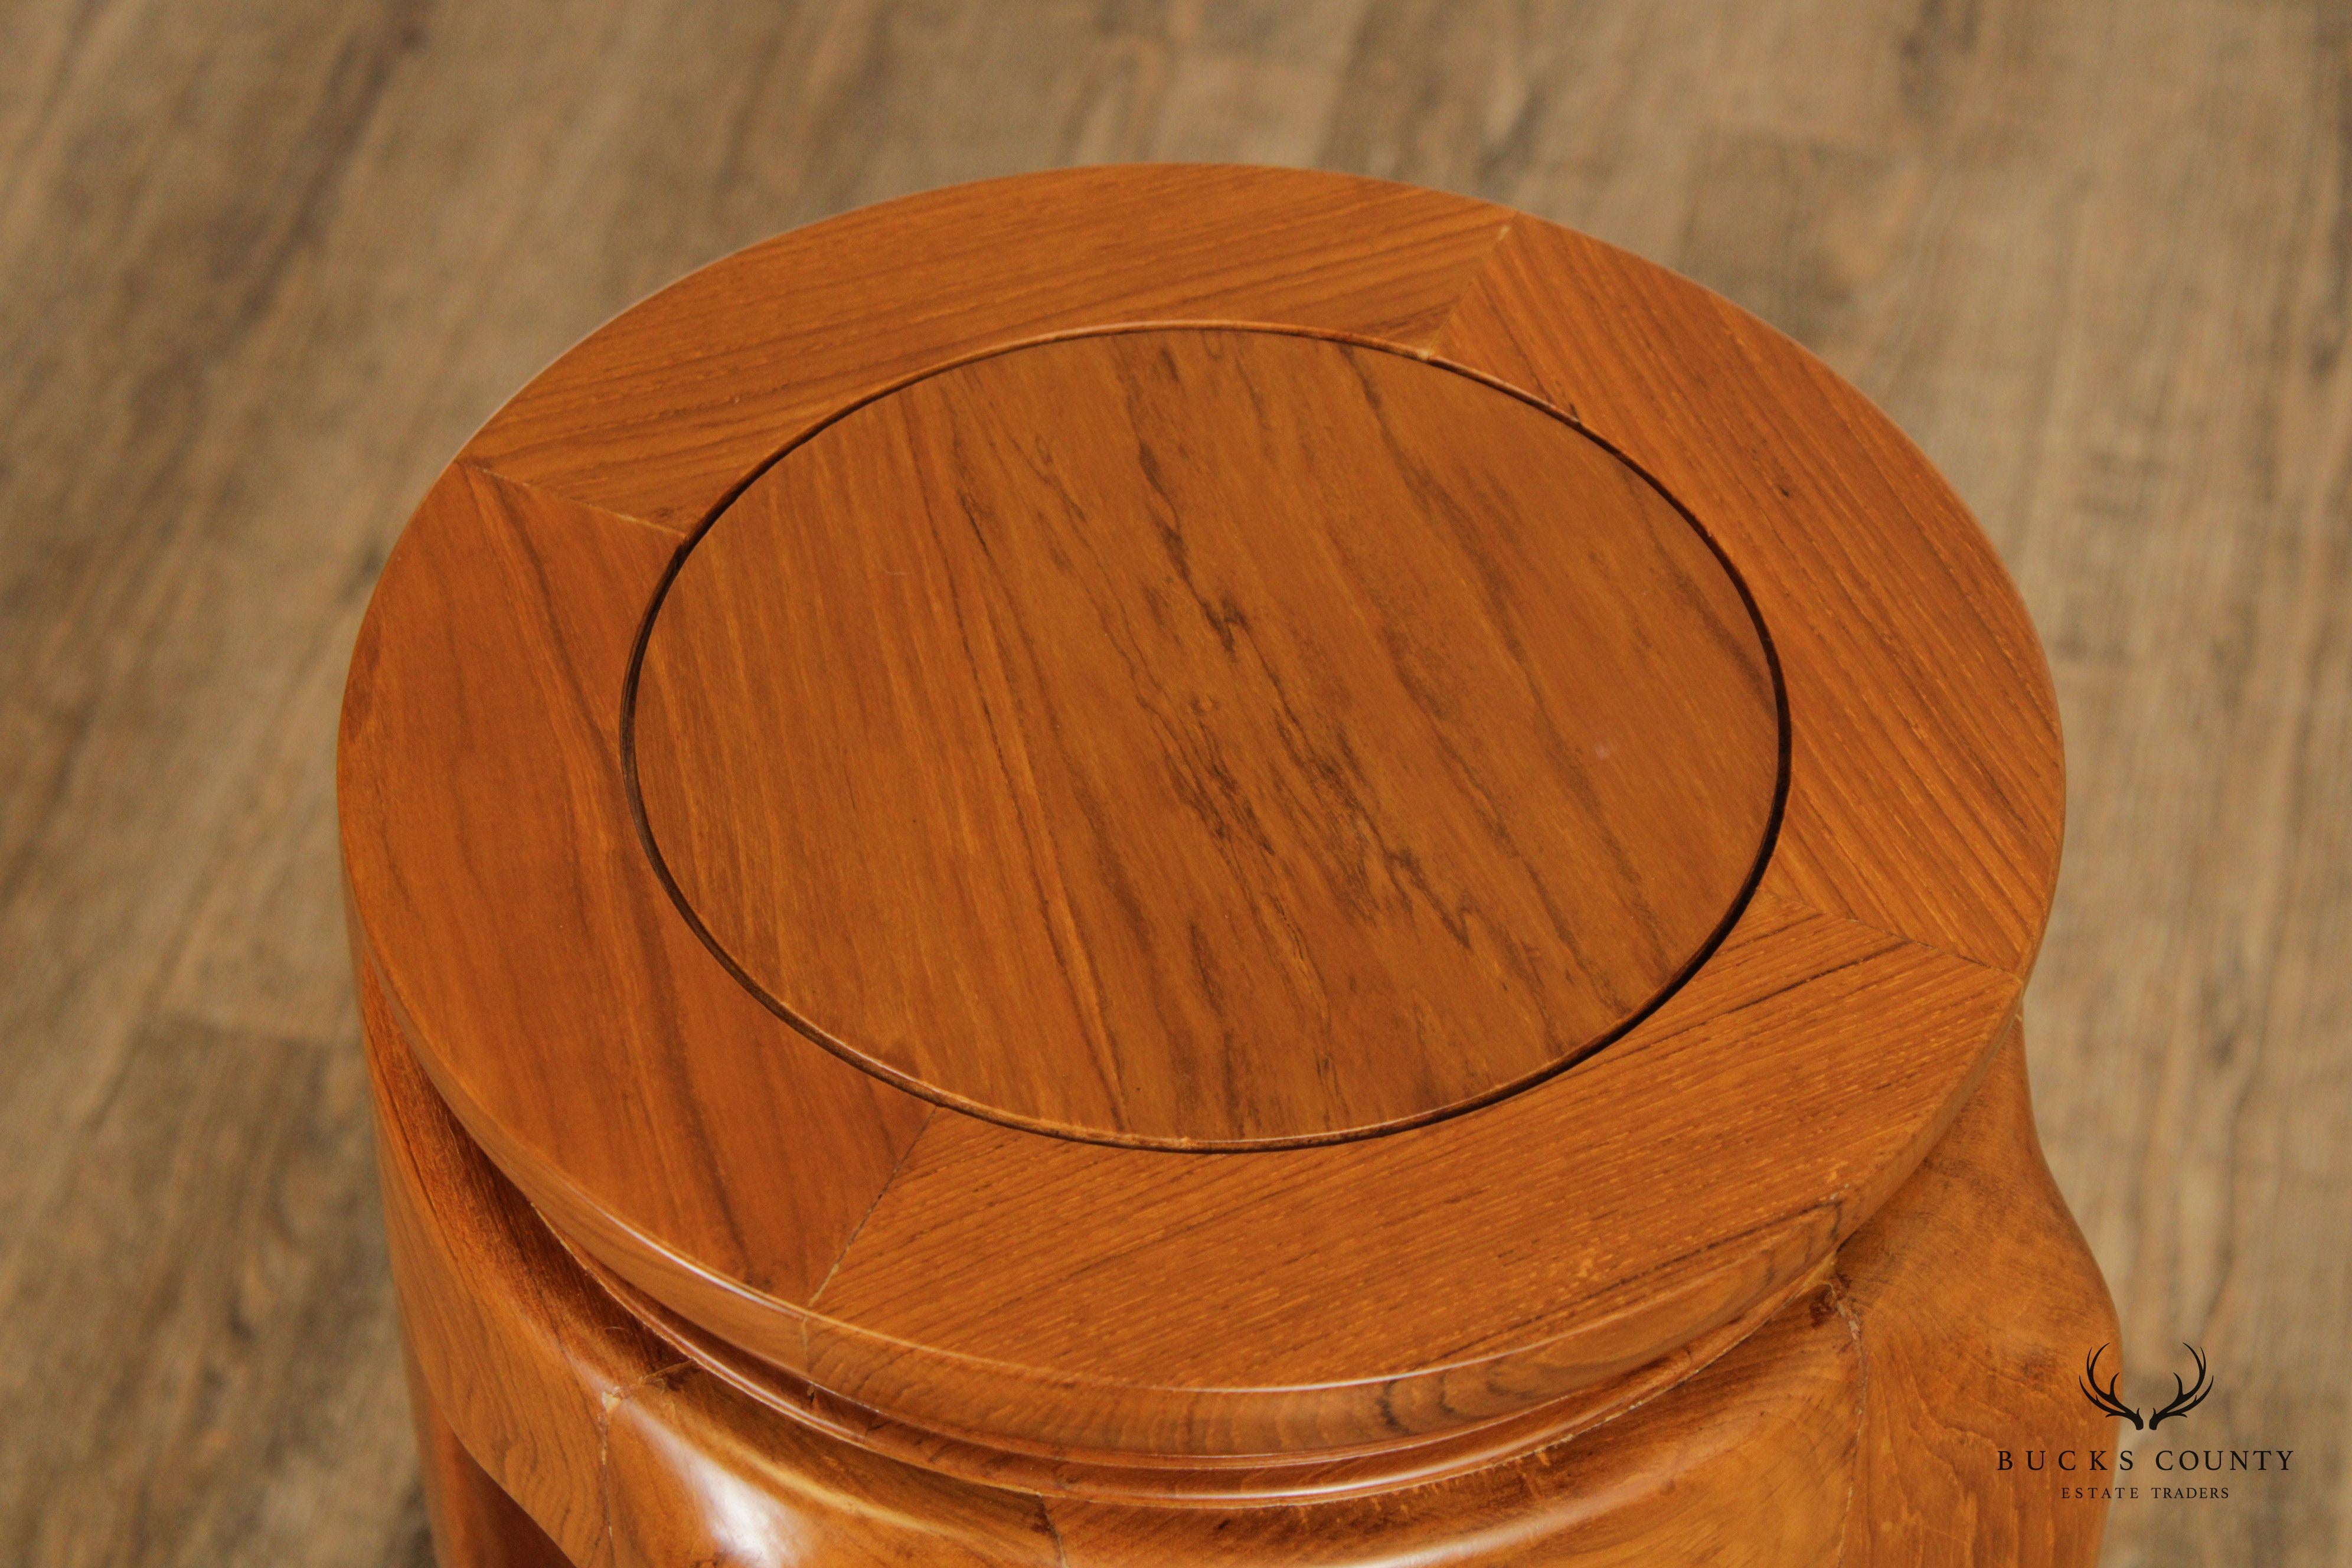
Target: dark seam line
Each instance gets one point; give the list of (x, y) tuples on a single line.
[(819, 1035)]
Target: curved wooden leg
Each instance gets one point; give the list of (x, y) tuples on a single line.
[(1973, 1301), (1861, 1427), (475, 1523)]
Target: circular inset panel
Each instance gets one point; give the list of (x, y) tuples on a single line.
[(752, 1110), (1206, 738)]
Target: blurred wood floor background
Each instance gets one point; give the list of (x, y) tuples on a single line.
[(262, 267)]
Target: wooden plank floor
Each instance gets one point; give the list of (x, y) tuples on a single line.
[(263, 267)]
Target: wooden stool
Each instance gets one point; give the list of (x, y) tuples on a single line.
[(1180, 865)]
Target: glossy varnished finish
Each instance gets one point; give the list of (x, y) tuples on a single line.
[(473, 1520), (1032, 880), (1206, 738)]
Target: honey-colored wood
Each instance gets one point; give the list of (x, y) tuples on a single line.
[(1206, 738), (475, 1523), (1333, 1314), (1285, 1319), (2089, 256), (619, 1450), (511, 577), (1972, 1298), (663, 412), (1924, 769), (1786, 1450)]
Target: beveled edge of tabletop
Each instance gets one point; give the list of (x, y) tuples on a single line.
[(1911, 879)]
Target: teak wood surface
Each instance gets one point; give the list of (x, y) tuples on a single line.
[(263, 267), (1270, 837), (1852, 1426), (1283, 741)]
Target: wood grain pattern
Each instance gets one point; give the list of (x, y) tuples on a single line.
[(241, 1146), (1346, 1323), (1761, 1458), (1926, 774), (492, 569), (620, 1452), (1151, 1481), (663, 412), (473, 1520), (1982, 1221), (1314, 1306), (1207, 738), (263, 272)]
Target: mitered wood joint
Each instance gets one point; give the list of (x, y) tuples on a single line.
[(1184, 865)]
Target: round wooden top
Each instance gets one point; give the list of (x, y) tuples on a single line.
[(1206, 737), (926, 792)]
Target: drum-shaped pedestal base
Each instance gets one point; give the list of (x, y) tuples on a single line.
[(1883, 1415)]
